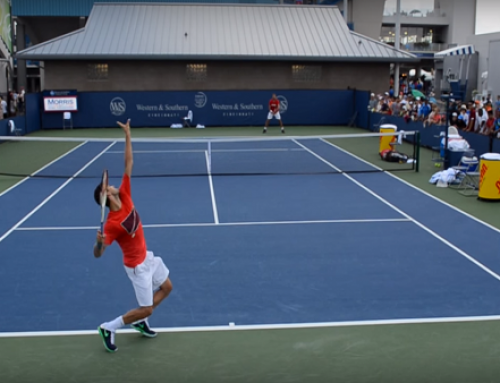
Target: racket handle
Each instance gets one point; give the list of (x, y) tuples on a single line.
[(102, 228)]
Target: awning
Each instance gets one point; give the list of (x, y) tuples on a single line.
[(462, 50)]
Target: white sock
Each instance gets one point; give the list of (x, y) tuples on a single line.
[(114, 325)]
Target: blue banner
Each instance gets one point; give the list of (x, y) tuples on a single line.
[(362, 101), (214, 108), (33, 109)]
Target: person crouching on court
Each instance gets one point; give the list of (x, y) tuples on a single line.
[(147, 272)]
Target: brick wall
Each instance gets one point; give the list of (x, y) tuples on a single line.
[(221, 75)]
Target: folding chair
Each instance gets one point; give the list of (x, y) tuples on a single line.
[(67, 119), (15, 131)]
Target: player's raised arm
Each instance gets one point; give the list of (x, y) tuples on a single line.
[(129, 160)]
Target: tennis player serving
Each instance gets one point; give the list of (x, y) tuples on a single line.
[(148, 274)]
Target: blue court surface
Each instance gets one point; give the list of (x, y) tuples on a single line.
[(244, 249)]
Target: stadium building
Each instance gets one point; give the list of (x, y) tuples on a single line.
[(437, 26), (152, 47)]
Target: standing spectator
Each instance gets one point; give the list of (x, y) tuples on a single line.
[(372, 106), (463, 118), (425, 111), (454, 120), (472, 118), (13, 104), (481, 118), (496, 130), (4, 106), (497, 104), (21, 100), (489, 126)]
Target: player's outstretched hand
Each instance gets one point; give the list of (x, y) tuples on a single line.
[(125, 127)]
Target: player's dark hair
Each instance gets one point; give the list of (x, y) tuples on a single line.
[(97, 195)]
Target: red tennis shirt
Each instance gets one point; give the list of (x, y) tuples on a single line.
[(125, 227), (274, 105)]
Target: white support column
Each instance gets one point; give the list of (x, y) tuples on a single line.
[(397, 45)]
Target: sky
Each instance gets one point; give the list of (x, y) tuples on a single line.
[(486, 13)]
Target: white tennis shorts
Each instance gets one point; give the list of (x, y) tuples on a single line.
[(276, 116), (147, 278)]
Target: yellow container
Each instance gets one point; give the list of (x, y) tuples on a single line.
[(386, 141), (489, 177)]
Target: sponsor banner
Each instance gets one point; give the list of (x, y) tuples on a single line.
[(209, 108), (59, 93), (60, 104)]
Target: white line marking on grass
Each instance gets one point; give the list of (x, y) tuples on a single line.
[(204, 224), (419, 224), (41, 169), (41, 204), (212, 192), (291, 326)]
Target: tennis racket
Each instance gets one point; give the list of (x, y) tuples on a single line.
[(104, 198)]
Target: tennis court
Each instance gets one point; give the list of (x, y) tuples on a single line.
[(292, 259)]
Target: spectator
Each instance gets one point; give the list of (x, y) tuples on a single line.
[(480, 120), (395, 107), (454, 120), (434, 117), (425, 111), (20, 100), (463, 118), (5, 107), (372, 106), (472, 118), (496, 129), (489, 126)]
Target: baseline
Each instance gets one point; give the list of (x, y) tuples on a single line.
[(235, 327)]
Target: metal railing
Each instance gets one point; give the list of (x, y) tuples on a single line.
[(415, 13)]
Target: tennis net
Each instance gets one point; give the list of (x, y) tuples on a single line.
[(69, 157)]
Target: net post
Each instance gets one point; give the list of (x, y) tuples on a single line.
[(417, 151)]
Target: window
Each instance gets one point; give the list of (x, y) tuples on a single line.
[(196, 72), (97, 72), (306, 73)]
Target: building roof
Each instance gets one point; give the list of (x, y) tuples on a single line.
[(167, 31)]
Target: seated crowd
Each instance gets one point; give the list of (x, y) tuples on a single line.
[(482, 117)]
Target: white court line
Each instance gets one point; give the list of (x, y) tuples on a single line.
[(417, 188), (419, 224), (213, 150), (41, 204), (291, 326), (41, 169), (212, 192), (205, 224)]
